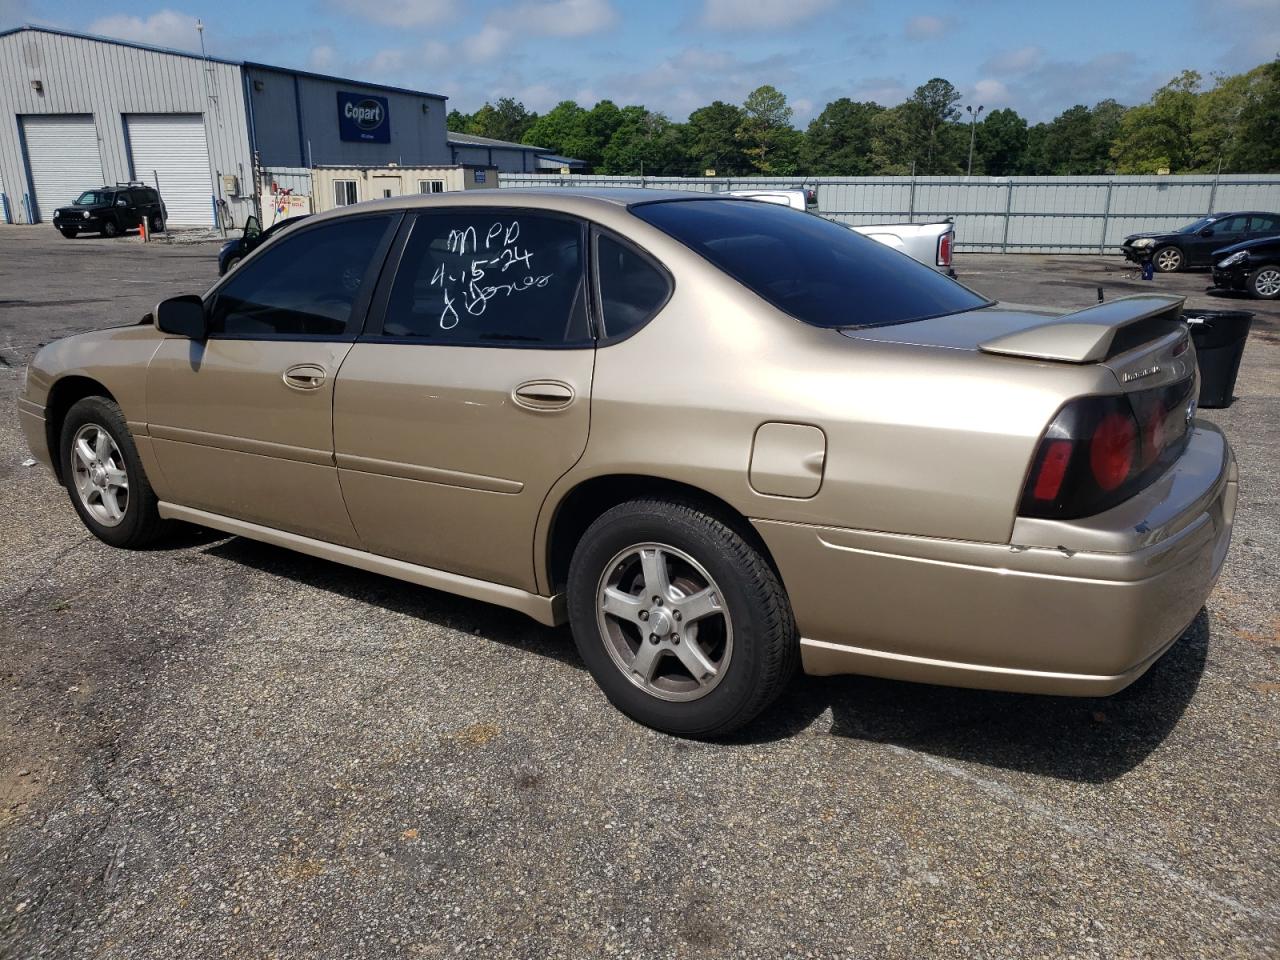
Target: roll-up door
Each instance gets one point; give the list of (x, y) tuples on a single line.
[(171, 148), (62, 154)]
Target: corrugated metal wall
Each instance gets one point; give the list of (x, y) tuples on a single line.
[(77, 75), (995, 214)]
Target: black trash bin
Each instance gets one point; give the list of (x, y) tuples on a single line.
[(1219, 336)]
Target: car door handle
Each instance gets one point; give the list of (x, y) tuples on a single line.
[(304, 376), (543, 395)]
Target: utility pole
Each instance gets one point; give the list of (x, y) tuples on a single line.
[(204, 118), (973, 133)]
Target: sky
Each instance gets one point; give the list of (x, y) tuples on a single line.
[(673, 57)]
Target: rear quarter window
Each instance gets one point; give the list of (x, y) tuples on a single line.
[(817, 271)]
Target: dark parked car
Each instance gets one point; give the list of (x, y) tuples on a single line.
[(233, 251), (111, 211), (1252, 266), (1194, 244)]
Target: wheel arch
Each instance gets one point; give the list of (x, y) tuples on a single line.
[(578, 508), (65, 393)]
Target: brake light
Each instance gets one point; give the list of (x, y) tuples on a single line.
[(944, 249), (1100, 451), (1111, 449)]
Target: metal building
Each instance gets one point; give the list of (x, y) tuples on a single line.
[(78, 111)]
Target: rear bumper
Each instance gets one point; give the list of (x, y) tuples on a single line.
[(1079, 608)]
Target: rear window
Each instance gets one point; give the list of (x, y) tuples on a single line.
[(815, 270)]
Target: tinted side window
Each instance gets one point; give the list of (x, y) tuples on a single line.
[(632, 288), (305, 285), (1230, 225), (490, 277), (1258, 224), (815, 270)]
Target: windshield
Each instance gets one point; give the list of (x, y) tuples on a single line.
[(90, 197), (815, 270), (1197, 226)]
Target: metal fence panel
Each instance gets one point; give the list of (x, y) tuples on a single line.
[(1009, 214)]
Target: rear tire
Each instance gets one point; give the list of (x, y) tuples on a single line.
[(104, 476), (157, 223), (111, 229), (682, 622), (1264, 283), (1168, 260)]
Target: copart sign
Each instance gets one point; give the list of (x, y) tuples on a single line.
[(363, 117)]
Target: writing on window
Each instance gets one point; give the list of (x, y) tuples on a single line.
[(470, 278)]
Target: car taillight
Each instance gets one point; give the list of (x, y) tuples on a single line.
[(1100, 451), (944, 249)]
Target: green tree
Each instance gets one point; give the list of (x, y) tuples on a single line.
[(563, 130), (1160, 133), (839, 141), (644, 143), (711, 139), (929, 116), (1255, 145), (457, 121), (505, 120), (892, 148), (1000, 146), (769, 140)]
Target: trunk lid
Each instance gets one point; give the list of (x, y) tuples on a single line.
[(1141, 339)]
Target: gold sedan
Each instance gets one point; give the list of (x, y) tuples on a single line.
[(720, 438)]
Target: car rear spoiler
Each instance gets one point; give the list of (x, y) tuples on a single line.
[(1096, 333)]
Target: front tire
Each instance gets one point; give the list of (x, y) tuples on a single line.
[(111, 229), (1264, 283), (1168, 260), (681, 621), (104, 476)]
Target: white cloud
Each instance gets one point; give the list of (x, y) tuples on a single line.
[(559, 18), (400, 13), (1014, 61), (925, 27), (488, 44), (992, 94), (1249, 28), (322, 57), (759, 14), (167, 28)]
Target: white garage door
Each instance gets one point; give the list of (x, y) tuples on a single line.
[(171, 147), (63, 155)]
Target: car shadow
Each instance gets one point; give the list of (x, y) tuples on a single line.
[(483, 620), (1083, 739)]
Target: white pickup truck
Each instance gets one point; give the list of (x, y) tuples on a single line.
[(930, 243)]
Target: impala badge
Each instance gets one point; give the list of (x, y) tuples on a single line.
[(1130, 375)]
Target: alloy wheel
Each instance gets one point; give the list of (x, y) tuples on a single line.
[(101, 480), (1168, 260), (1267, 282), (664, 622)]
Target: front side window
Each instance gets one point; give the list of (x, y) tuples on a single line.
[(92, 197), (490, 278), (431, 186), (632, 288), (344, 193), (817, 271), (1231, 225), (304, 286)]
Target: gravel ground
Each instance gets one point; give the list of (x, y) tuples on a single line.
[(221, 749)]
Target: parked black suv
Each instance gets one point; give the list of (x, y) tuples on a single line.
[(1193, 245), (111, 211)]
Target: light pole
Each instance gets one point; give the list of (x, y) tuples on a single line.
[(973, 132)]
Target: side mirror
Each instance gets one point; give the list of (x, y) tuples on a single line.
[(252, 228), (182, 316), (122, 202), (1207, 232)]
